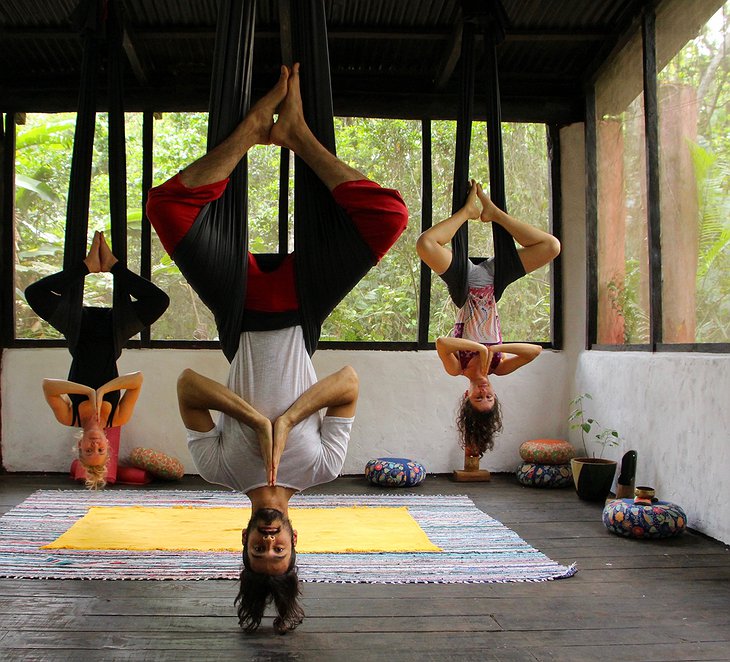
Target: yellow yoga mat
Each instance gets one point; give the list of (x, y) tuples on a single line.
[(320, 530)]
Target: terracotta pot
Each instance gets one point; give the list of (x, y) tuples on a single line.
[(593, 477)]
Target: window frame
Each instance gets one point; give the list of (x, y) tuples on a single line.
[(651, 124), (421, 342)]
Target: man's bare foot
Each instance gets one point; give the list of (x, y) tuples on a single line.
[(106, 257), (261, 115), (93, 260), (290, 127), (489, 209)]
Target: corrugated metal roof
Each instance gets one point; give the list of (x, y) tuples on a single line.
[(388, 57)]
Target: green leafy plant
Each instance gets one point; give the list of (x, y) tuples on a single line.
[(590, 426)]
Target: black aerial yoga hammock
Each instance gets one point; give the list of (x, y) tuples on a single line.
[(59, 298), (508, 266), (330, 256)]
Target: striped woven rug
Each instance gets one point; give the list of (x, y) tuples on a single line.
[(475, 547)]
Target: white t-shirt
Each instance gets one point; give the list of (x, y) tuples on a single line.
[(270, 371)]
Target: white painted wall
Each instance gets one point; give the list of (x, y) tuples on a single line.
[(671, 408), (406, 407)]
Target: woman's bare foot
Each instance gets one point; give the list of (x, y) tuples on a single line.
[(471, 206), (93, 260), (261, 116), (489, 209), (290, 129), (106, 257)]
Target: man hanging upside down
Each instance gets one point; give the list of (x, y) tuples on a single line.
[(271, 440)]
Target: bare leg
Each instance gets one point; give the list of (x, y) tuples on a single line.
[(538, 247), (197, 395), (292, 131), (431, 245), (338, 392), (219, 162)]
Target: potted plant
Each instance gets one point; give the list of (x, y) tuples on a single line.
[(592, 476)]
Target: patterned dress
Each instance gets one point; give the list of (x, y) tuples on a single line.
[(478, 319)]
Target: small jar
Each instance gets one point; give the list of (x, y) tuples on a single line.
[(471, 460)]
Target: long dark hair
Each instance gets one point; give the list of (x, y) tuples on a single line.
[(477, 429), (257, 589)]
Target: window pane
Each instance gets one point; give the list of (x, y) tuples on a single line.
[(443, 142), (623, 264), (383, 306), (43, 165), (133, 137), (694, 176), (263, 198), (480, 235), (525, 307), (180, 138)]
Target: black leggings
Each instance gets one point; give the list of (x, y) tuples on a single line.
[(52, 299)]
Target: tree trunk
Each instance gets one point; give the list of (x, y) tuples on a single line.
[(611, 231), (679, 211)]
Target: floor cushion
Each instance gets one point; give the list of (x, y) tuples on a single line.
[(156, 463), (133, 476), (660, 519), (547, 451), (395, 472), (534, 474)]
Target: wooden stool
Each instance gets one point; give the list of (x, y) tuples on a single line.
[(471, 472)]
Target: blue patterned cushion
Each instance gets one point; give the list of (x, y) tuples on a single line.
[(661, 519), (395, 472), (544, 475)]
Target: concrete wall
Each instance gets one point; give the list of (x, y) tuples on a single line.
[(668, 407), (406, 407)]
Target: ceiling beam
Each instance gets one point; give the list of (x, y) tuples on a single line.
[(194, 98), (445, 68), (184, 32), (135, 62)]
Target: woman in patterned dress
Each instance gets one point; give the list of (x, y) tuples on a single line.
[(474, 348)]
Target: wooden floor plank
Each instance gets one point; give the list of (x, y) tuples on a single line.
[(683, 585)]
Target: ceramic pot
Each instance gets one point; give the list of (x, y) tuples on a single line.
[(593, 477)]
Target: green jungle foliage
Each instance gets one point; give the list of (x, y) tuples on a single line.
[(702, 66), (383, 307)]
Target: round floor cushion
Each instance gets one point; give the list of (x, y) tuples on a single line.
[(661, 519), (534, 474), (395, 472), (547, 451), (156, 463)]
